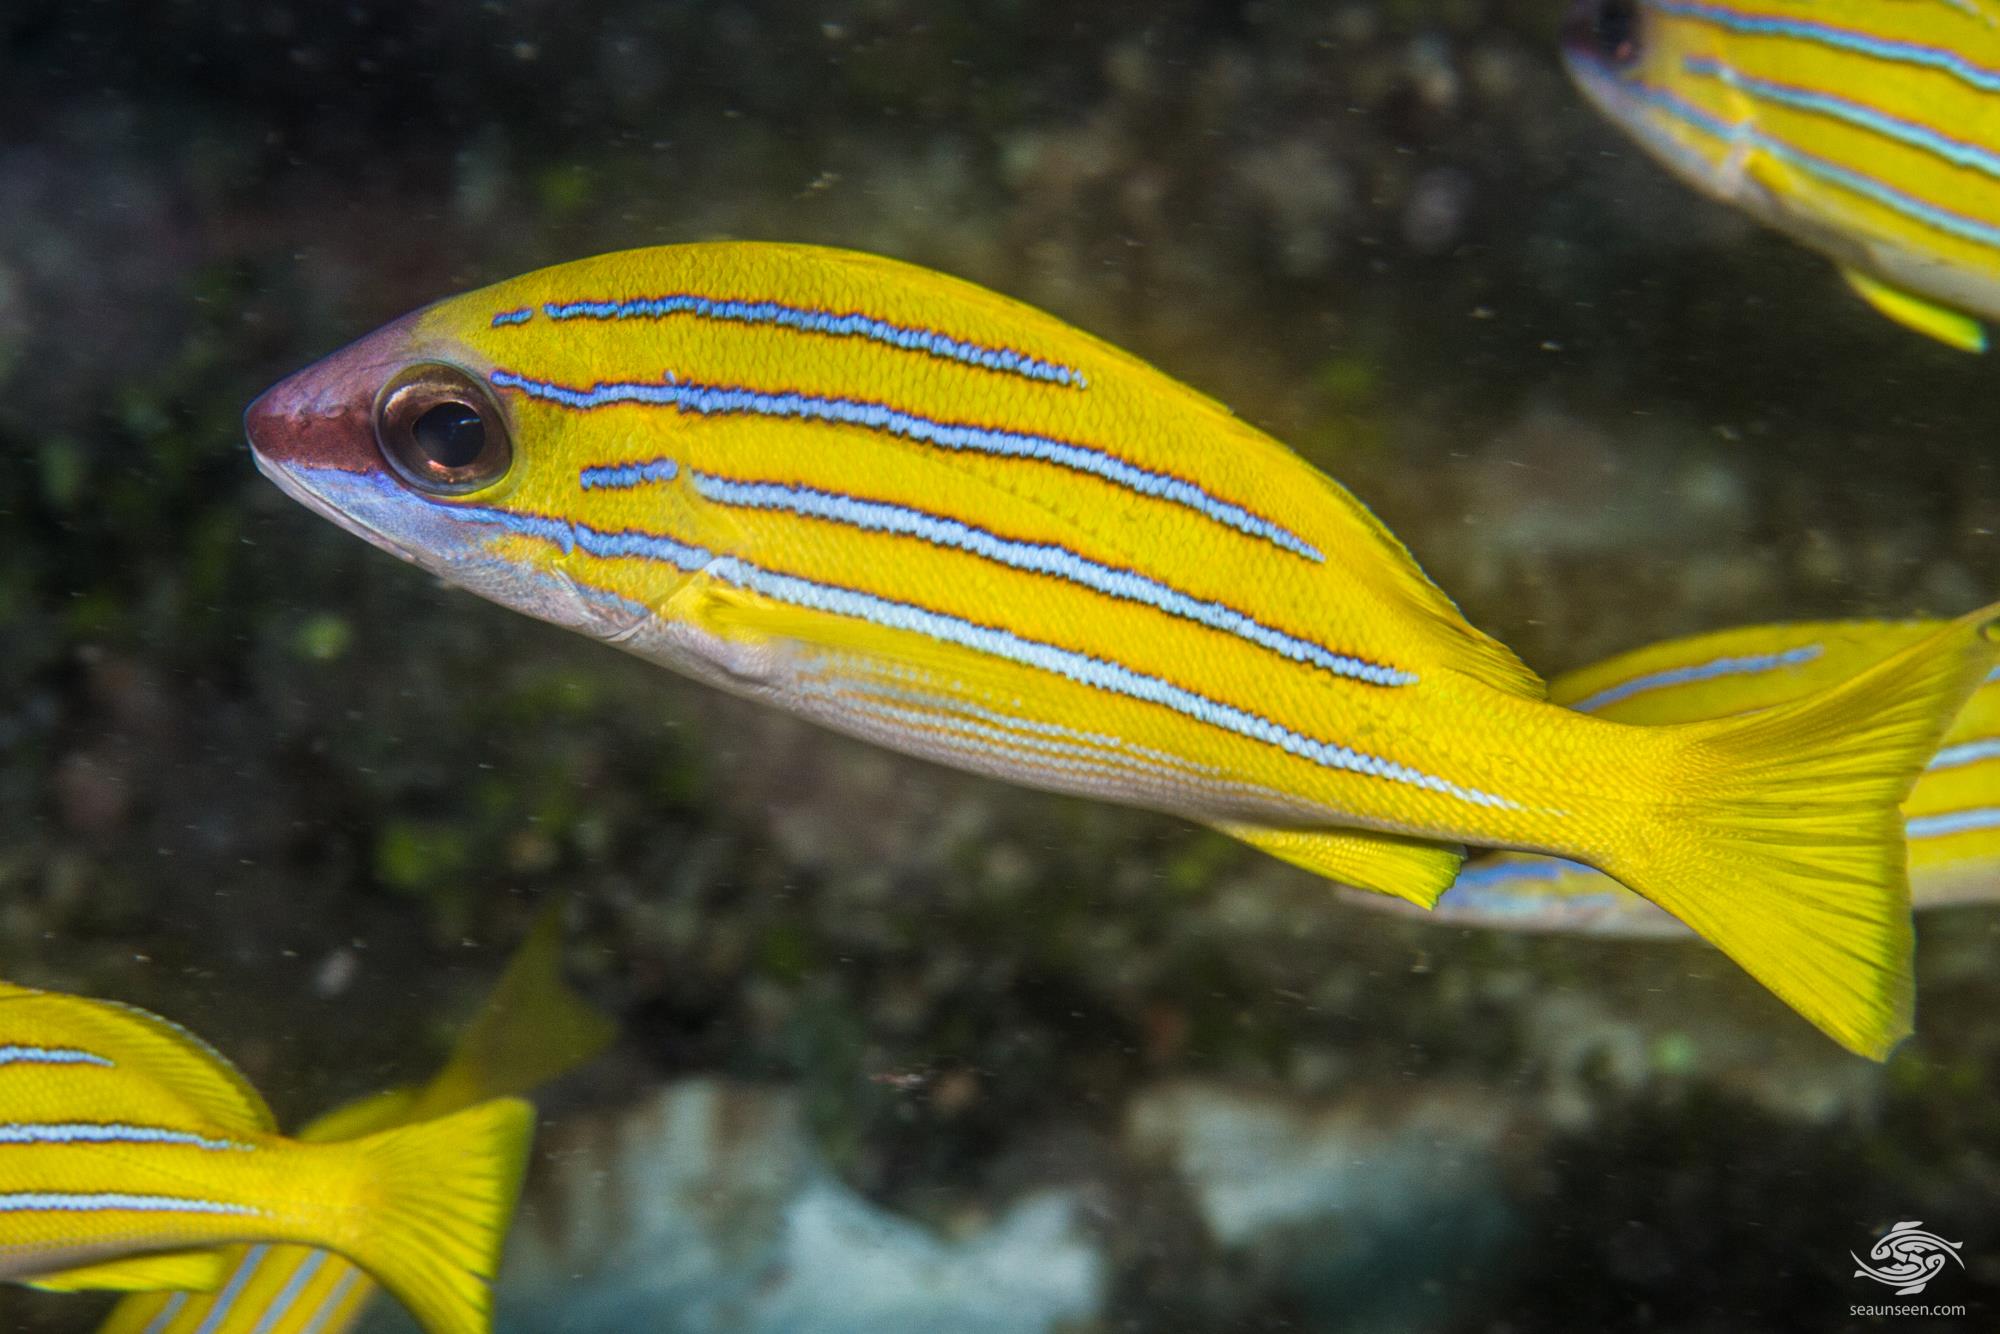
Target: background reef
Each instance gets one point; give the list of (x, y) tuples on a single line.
[(259, 777)]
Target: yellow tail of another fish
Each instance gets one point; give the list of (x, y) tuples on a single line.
[(1778, 836), (446, 1193)]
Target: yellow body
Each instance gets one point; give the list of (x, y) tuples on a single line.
[(1952, 815), (914, 510), (127, 1147), (1869, 129), (532, 1029)]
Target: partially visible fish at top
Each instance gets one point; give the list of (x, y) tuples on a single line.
[(918, 512), (1866, 129), (132, 1156), (1951, 817), (531, 1029)]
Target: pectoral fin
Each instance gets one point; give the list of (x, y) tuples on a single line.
[(196, 1270), (1948, 326), (1406, 868)]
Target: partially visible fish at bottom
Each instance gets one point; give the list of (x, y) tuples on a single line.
[(1951, 817), (532, 1028)]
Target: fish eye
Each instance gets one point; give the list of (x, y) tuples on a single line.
[(1614, 30), (441, 431)]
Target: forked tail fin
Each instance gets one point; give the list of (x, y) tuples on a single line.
[(444, 1193), (1781, 842)]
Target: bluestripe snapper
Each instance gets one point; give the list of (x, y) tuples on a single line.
[(918, 512)]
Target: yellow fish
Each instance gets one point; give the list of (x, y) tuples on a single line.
[(130, 1151), (918, 512), (532, 1029), (1867, 129), (1951, 817)]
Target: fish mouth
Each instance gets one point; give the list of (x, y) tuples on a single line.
[(313, 433), (291, 480)]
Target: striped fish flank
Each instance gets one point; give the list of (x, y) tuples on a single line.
[(132, 1156), (1866, 130), (796, 473), (1952, 814)]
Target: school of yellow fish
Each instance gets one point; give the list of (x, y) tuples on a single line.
[(921, 513)]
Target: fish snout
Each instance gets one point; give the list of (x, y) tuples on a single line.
[(323, 416)]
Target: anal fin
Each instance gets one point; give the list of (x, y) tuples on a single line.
[(1950, 327), (1406, 868), (196, 1270)]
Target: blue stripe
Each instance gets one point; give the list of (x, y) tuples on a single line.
[(92, 1132), (1747, 665), (964, 737), (1097, 752), (521, 316), (936, 703), (331, 1304), (167, 1313), (1098, 673), (623, 476), (1953, 822), (114, 1201), (1940, 58), (1992, 677), (288, 1294), (1047, 558), (726, 400), (218, 1310), (949, 728), (1854, 182), (1966, 752), (51, 1056), (836, 324), (1911, 133)]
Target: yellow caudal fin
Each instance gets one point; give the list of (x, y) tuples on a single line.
[(199, 1270), (1782, 844), (444, 1193), (1407, 868), (1950, 327)]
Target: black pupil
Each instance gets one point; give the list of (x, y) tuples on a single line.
[(1617, 29), (451, 435)]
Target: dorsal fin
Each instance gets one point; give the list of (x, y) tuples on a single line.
[(181, 1065)]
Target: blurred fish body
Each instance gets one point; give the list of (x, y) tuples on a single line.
[(1951, 817), (130, 1151), (918, 512), (1867, 129), (532, 1028)]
